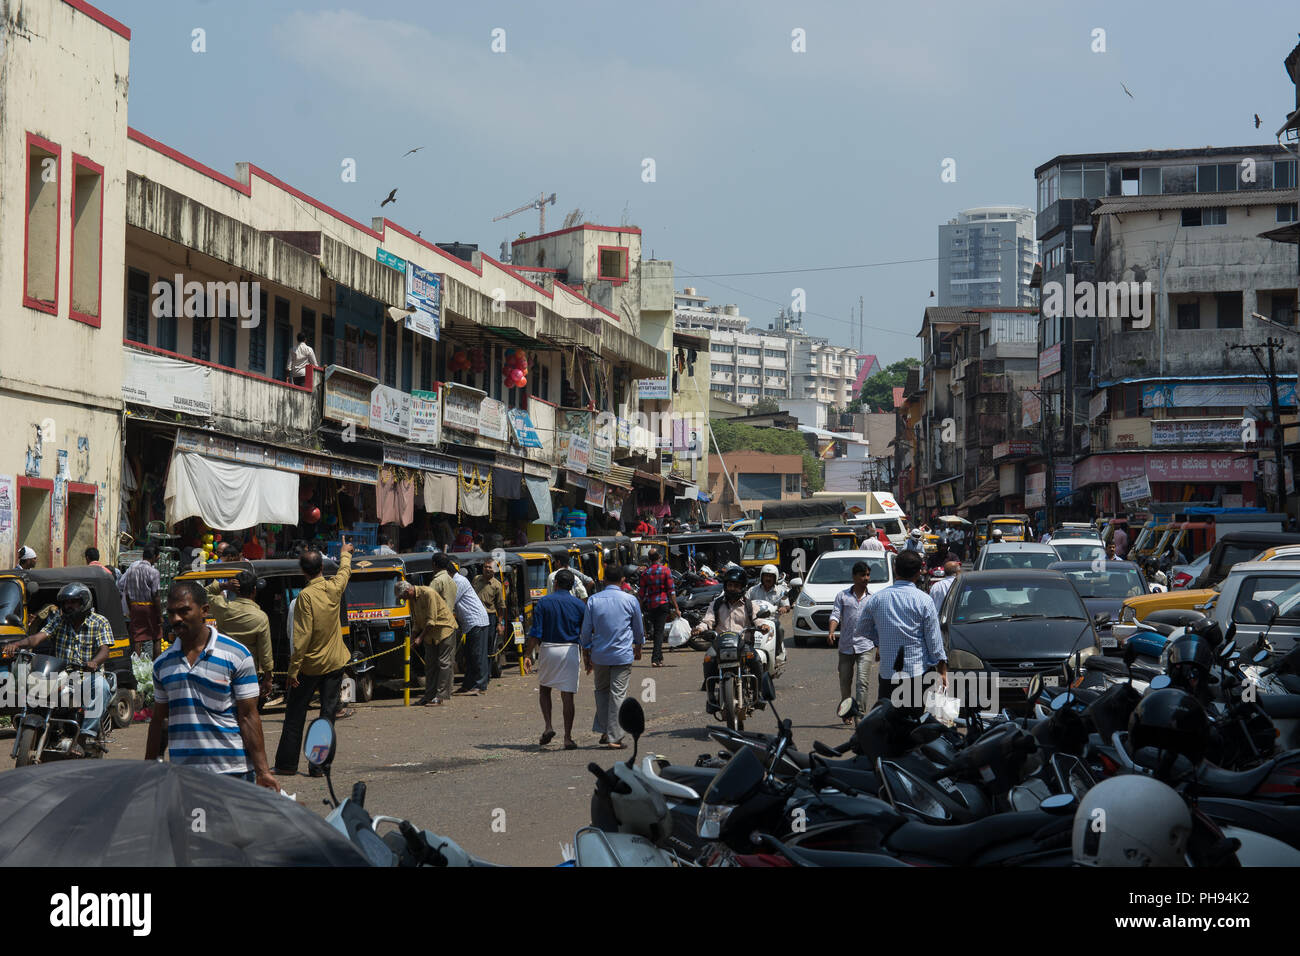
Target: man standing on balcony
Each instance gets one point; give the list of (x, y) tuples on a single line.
[(302, 356)]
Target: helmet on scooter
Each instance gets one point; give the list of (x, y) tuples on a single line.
[(1131, 820), (74, 603), (1208, 630), (1171, 720), (1189, 662), (643, 811)]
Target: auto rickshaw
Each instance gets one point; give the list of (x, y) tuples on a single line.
[(696, 549), (1149, 538), (279, 580), (378, 618), (25, 594), (1013, 527), (792, 550), (615, 549), (981, 534), (651, 542)]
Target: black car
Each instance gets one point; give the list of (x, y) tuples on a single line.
[(1013, 624), (1104, 585)]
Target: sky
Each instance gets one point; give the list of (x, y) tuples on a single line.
[(774, 170)]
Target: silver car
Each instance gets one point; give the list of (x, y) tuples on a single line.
[(1016, 555)]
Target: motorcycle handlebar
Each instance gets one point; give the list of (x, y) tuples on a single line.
[(608, 779), (359, 793)]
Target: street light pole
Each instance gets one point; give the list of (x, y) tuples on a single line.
[(1279, 436)]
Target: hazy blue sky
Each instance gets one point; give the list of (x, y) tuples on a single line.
[(766, 159)]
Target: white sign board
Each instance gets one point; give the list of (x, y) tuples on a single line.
[(168, 383), (390, 411), (1134, 489)]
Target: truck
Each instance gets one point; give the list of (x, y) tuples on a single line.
[(881, 509), (807, 513)]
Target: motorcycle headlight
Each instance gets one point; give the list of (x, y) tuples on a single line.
[(804, 600), (711, 818)]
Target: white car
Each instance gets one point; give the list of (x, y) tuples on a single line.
[(830, 574), (1013, 555), (1078, 549)]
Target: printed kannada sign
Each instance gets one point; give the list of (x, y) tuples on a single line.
[(424, 294), (460, 407), (347, 396), (655, 389), (1134, 489), (1172, 431)]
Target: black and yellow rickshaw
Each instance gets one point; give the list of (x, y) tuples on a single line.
[(615, 549), (651, 542), (379, 619), (25, 594), (279, 581), (792, 550), (696, 549)]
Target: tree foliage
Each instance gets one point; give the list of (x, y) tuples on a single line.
[(733, 436), (878, 390)]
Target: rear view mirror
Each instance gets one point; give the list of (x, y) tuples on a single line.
[(848, 708), (321, 742), (13, 620), (1260, 658), (1160, 682), (766, 612), (1101, 618), (631, 717), (1270, 612)]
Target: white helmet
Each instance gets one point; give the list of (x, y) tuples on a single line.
[(915, 532), (996, 534), (769, 569), (1131, 820), (706, 571)]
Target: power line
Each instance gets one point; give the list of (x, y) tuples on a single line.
[(781, 272)]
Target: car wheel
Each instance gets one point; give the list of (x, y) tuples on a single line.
[(365, 687)]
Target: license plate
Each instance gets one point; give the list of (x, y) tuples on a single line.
[(387, 637), (1109, 642), (1004, 681)]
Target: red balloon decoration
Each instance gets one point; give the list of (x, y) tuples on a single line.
[(312, 515)]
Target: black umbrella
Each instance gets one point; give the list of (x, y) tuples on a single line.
[(145, 813)]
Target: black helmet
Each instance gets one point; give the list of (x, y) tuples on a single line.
[(79, 596), (1171, 720), (631, 573), (734, 574), (1208, 630), (1189, 661)]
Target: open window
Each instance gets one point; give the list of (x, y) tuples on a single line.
[(612, 263), (87, 239), (41, 239)]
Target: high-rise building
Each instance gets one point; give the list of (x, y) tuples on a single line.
[(986, 258)]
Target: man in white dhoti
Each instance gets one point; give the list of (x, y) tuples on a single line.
[(556, 629)]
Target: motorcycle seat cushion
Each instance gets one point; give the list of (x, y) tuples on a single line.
[(1216, 781), (960, 845), (697, 778), (1291, 682)]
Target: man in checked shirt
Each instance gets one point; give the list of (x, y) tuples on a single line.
[(902, 622)]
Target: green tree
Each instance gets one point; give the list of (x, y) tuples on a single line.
[(733, 436), (764, 406), (878, 390)]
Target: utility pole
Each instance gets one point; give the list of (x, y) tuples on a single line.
[(1274, 345), (1047, 429)]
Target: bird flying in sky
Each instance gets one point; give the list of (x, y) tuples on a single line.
[(392, 197)]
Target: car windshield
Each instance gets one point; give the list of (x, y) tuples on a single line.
[(844, 542), (1115, 583), (759, 549), (1079, 552), (372, 591), (1048, 599), (1076, 533), (11, 598), (829, 569), (1017, 560), (536, 576), (1010, 529)]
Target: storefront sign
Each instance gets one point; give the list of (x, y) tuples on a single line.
[(1049, 361), (410, 458), (601, 458), (393, 262), (1215, 394), (654, 389), (1035, 489), (390, 411), (460, 407), (1064, 478), (571, 423), (1216, 467), (347, 396), (426, 417), (352, 471), (945, 495), (1012, 449), (492, 419), (596, 494), (424, 294), (318, 467), (522, 425), (575, 480), (228, 449), (578, 453), (1096, 405), (167, 383), (1171, 431), (1134, 489)]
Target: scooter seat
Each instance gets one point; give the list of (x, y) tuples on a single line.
[(1215, 781), (697, 778), (960, 845), (1291, 682), (1282, 706)]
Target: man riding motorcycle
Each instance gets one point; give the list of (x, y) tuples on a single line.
[(766, 590), (732, 611), (82, 641)]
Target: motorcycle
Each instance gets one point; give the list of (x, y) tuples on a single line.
[(50, 718)]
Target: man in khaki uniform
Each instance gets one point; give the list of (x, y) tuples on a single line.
[(445, 587), (432, 625), (319, 654), (240, 619), (492, 592)]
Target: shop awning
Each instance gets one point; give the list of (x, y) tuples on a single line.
[(985, 492), (229, 496)]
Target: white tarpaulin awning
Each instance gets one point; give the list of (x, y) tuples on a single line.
[(538, 488), (229, 496)]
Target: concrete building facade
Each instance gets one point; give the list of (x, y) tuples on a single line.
[(986, 258)]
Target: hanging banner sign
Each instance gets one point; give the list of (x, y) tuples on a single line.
[(167, 383), (522, 425), (460, 407), (492, 419), (1134, 489), (347, 396), (596, 494), (426, 417), (578, 454), (424, 294), (390, 411)]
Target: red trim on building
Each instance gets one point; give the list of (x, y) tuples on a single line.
[(305, 387), (630, 230), (46, 484), (51, 308), (80, 488), (627, 254), (184, 160), (100, 17), (90, 319)]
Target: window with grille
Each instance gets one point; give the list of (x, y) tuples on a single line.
[(137, 306)]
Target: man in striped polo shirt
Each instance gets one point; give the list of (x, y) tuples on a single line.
[(205, 696)]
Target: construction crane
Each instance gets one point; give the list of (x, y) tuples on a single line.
[(539, 204)]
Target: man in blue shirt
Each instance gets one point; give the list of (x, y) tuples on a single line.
[(902, 622), (612, 635), (556, 630)]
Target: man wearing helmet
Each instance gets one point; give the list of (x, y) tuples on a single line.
[(766, 590), (915, 541), (82, 640), (732, 611)]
